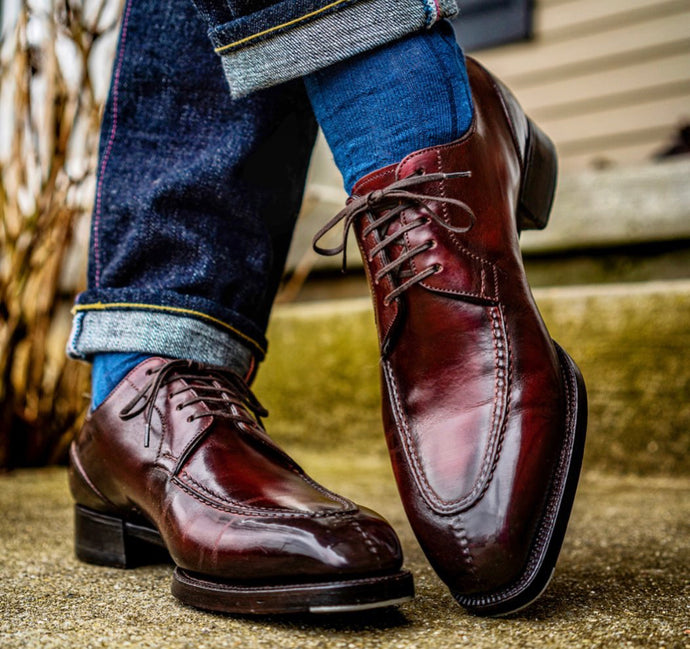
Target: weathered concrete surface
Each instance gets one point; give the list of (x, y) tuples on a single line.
[(632, 342), (622, 580)]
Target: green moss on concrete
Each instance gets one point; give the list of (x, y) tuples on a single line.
[(320, 382), (632, 342)]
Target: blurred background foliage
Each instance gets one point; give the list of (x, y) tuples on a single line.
[(54, 58)]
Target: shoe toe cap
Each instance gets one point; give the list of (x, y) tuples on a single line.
[(281, 546)]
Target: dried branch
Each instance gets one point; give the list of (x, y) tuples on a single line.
[(40, 391)]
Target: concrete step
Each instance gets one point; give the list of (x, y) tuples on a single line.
[(632, 342), (621, 224), (619, 581), (606, 209)]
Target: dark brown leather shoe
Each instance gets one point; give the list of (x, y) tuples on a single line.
[(484, 414), (176, 457)]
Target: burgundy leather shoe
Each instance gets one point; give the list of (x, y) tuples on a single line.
[(484, 414), (176, 457)]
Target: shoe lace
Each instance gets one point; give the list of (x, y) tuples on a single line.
[(390, 202), (224, 393)]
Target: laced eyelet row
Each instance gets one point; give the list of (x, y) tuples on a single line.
[(223, 392), (383, 207)]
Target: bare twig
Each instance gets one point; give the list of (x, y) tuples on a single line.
[(40, 391)]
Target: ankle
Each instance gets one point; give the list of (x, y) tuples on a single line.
[(378, 107), (108, 370)]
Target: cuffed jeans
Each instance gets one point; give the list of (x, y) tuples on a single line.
[(198, 189), (263, 42)]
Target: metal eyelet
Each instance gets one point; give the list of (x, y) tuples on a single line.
[(190, 419), (438, 268)]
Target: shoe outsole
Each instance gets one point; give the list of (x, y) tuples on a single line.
[(108, 540), (344, 596)]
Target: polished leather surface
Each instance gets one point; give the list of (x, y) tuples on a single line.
[(473, 391), (228, 503)]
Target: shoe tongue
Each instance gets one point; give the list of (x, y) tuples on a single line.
[(424, 160), (375, 180)]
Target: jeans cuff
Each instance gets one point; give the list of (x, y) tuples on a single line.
[(312, 41), (159, 333)]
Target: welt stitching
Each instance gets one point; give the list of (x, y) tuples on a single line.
[(549, 513), (287, 587)]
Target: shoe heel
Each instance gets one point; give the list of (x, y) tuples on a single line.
[(100, 539), (108, 540), (538, 182)]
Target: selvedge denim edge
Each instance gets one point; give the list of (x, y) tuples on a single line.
[(257, 54), (99, 328)]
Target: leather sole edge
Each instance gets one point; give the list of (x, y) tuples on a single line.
[(326, 597)]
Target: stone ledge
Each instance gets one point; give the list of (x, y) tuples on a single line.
[(618, 207)]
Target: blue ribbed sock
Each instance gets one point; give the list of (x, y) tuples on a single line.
[(108, 370), (378, 107)]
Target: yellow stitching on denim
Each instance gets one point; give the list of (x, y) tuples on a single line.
[(287, 24), (100, 306)]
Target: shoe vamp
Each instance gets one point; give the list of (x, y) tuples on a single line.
[(448, 384), (237, 468)]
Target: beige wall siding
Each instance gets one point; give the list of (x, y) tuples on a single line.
[(609, 80)]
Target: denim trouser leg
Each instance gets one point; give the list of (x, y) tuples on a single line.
[(266, 42), (196, 198)]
